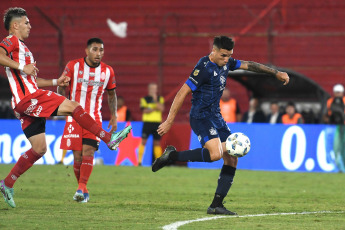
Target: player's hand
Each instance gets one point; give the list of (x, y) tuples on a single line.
[(164, 128), (31, 69), (284, 77), (63, 80), (112, 124)]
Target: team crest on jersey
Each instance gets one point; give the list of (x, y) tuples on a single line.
[(196, 72), (213, 131), (80, 72), (225, 68)]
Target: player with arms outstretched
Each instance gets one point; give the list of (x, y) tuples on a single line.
[(90, 78), (206, 83), (32, 105)]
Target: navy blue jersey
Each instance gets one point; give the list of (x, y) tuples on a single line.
[(207, 82)]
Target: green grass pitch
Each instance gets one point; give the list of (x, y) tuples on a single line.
[(136, 198)]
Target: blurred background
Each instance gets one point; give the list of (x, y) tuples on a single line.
[(161, 41)]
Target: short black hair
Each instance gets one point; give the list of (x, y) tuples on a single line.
[(291, 103), (94, 40), (11, 13), (223, 42)]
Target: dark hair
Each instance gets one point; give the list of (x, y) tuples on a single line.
[(94, 40), (223, 42), (291, 103), (11, 13)]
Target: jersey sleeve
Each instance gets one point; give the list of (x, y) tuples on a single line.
[(112, 82), (9, 44), (143, 103), (68, 71), (197, 77), (161, 100), (234, 64)]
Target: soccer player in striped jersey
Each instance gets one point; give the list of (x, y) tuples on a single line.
[(90, 78), (32, 105), (206, 83)]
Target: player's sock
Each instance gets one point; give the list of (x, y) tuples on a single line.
[(88, 123), (157, 151), (141, 153), (64, 152), (85, 171), (197, 155), (24, 162), (225, 180), (76, 169)]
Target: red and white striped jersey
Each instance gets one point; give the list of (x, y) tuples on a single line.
[(87, 85), (21, 84)]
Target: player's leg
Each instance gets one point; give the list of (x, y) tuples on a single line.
[(225, 178), (89, 148), (72, 108), (157, 149), (141, 150), (77, 154), (211, 151), (64, 152), (34, 131)]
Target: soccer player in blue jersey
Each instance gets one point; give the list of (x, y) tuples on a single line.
[(206, 83)]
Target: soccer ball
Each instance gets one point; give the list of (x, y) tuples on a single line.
[(237, 144)]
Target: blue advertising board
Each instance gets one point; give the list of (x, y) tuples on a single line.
[(302, 148), (298, 148)]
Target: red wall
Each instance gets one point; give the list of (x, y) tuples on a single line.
[(307, 37)]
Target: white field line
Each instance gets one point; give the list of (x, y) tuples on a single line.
[(175, 225)]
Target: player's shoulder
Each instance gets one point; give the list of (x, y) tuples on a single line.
[(74, 61), (203, 63)]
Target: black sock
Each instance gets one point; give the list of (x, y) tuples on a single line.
[(225, 180), (198, 155), (217, 201)]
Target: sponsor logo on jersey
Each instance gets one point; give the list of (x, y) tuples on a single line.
[(102, 134), (213, 131), (71, 135), (90, 82), (205, 63), (193, 80), (196, 72), (49, 93), (92, 74), (70, 128), (222, 80)]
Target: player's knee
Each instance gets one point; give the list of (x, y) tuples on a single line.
[(41, 150), (216, 155)]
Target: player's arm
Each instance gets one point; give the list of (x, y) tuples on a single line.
[(112, 102), (63, 81), (175, 107), (30, 69), (159, 105), (260, 68)]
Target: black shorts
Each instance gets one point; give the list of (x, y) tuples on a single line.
[(91, 142), (150, 128), (36, 127)]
